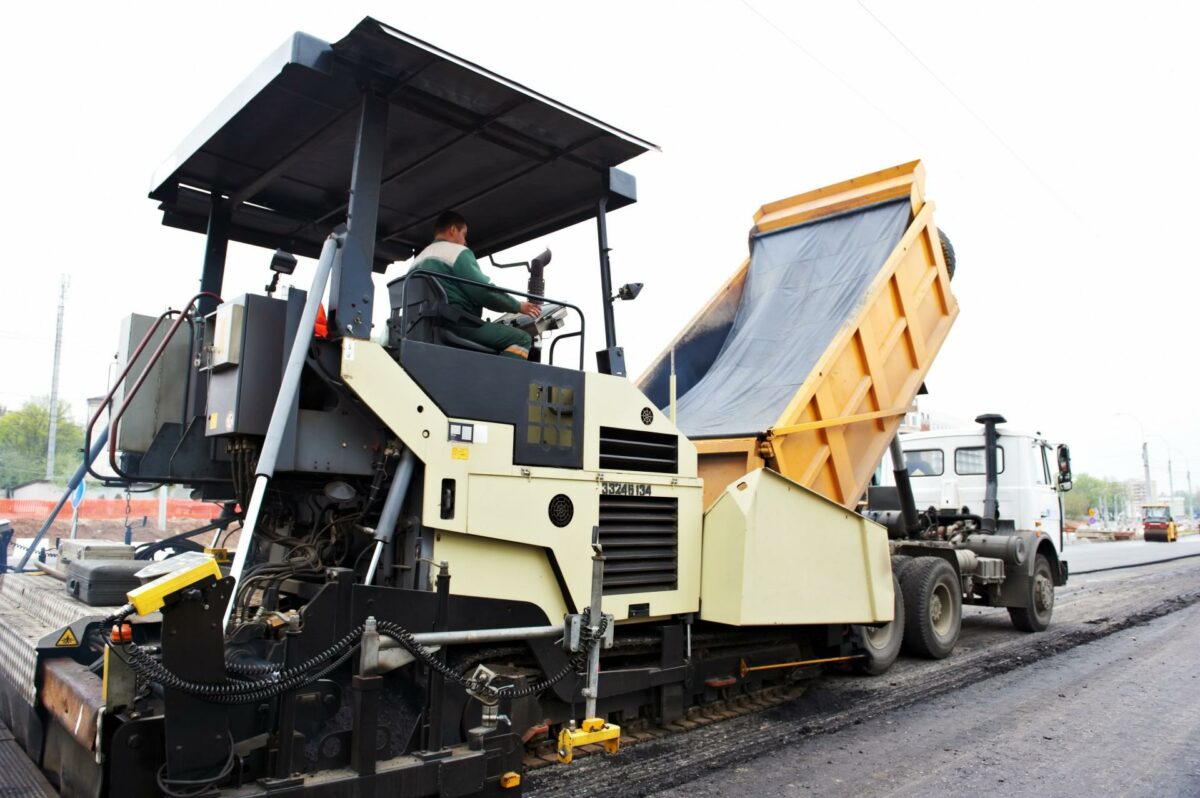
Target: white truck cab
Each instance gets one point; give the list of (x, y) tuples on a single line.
[(946, 468)]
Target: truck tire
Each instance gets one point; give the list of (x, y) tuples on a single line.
[(948, 254), (1036, 617), (900, 563), (932, 607), (881, 644)]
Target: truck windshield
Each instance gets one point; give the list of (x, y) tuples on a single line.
[(1155, 513)]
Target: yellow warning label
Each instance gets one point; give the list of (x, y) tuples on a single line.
[(66, 639), (212, 420), (460, 453)]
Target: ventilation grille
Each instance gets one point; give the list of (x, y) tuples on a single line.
[(638, 450), (640, 536)]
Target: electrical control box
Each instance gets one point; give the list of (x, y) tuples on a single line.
[(243, 357), (161, 397)]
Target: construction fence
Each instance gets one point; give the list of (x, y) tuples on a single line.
[(108, 509)]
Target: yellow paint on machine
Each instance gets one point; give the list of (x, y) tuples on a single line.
[(775, 553), (149, 597), (484, 567)]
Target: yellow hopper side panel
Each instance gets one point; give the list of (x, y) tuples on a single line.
[(777, 553)]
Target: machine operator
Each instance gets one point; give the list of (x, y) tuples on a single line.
[(448, 254)]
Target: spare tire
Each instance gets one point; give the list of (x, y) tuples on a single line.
[(948, 253)]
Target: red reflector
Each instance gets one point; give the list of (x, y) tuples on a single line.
[(718, 683)]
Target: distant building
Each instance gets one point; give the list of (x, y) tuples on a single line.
[(101, 466), (37, 489), (1135, 489), (918, 420)]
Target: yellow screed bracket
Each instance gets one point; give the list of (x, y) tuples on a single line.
[(149, 597), (592, 730)]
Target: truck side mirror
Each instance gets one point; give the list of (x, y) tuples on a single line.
[(1064, 468)]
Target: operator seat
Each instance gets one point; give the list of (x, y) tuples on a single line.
[(422, 315)]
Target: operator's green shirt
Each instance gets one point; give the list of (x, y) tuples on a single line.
[(446, 257)]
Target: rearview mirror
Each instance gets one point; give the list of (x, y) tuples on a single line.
[(1064, 468), (629, 291)]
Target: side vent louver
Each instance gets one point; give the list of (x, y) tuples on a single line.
[(638, 450), (640, 536)]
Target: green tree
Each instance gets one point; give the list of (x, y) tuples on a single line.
[(1093, 492), (23, 436)]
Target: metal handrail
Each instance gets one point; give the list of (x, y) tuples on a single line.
[(577, 333), (499, 289), (115, 421)]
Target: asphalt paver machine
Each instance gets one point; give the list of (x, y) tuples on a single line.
[(446, 556)]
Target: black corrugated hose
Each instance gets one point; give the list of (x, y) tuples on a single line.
[(278, 682)]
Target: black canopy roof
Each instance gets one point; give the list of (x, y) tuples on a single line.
[(281, 146)]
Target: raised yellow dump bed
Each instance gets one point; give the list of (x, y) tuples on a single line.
[(806, 360)]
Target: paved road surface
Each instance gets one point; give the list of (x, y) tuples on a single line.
[(1123, 652), (1119, 716), (1089, 556)]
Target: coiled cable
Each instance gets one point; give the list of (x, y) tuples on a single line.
[(277, 682)]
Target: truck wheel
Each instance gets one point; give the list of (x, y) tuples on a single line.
[(1036, 617), (881, 644), (948, 254), (932, 607), (900, 563)]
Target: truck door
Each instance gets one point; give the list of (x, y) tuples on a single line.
[(1047, 497)]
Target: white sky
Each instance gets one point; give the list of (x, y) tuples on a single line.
[(1065, 175)]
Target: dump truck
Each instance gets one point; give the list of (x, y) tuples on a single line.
[(1157, 524), (949, 474), (806, 361), (444, 557)]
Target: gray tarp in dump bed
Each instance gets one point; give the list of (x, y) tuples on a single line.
[(803, 285)]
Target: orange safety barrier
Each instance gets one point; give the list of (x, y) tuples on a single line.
[(108, 509)]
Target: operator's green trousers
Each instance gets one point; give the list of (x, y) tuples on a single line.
[(508, 341)]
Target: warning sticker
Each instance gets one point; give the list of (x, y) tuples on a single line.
[(212, 420), (460, 453), (67, 639)]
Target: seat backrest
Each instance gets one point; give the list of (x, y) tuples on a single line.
[(415, 313)]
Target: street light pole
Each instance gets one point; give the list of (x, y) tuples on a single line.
[(1146, 470), (1170, 471), (1189, 496), (1187, 500), (1145, 457)]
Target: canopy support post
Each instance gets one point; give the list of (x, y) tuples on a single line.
[(352, 292), (611, 359)]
